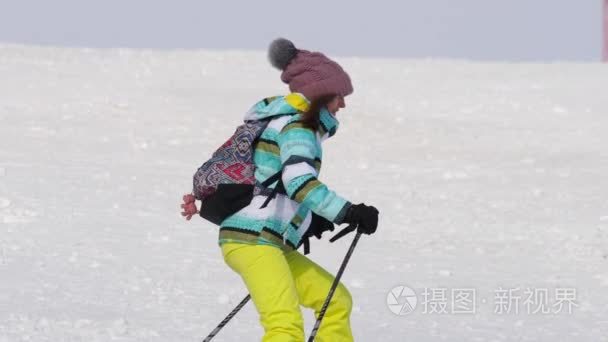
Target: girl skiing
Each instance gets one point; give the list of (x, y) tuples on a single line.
[(260, 241)]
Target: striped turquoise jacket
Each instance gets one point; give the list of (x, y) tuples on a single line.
[(286, 145)]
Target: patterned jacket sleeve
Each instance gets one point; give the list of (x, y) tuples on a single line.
[(298, 147)]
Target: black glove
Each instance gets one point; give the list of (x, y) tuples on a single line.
[(318, 225), (365, 217)]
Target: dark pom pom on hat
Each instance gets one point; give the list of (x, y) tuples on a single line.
[(281, 52)]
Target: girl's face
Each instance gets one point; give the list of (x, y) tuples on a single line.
[(335, 104)]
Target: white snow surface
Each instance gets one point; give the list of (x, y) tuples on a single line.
[(488, 176)]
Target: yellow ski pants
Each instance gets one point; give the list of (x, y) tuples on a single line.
[(279, 282)]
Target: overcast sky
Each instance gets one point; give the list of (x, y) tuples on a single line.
[(516, 30)]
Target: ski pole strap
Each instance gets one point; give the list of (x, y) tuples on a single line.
[(343, 232), (306, 243), (333, 287)]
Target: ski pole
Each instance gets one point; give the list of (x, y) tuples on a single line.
[(227, 319), (333, 287)]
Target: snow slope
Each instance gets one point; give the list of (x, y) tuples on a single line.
[(488, 176)]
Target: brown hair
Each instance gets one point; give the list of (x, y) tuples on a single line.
[(310, 118)]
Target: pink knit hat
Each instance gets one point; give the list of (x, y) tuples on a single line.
[(309, 73)]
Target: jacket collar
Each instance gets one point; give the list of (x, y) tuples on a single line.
[(292, 104)]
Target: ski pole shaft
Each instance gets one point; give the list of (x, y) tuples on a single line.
[(333, 287), (227, 319)]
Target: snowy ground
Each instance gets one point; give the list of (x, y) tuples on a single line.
[(488, 176)]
